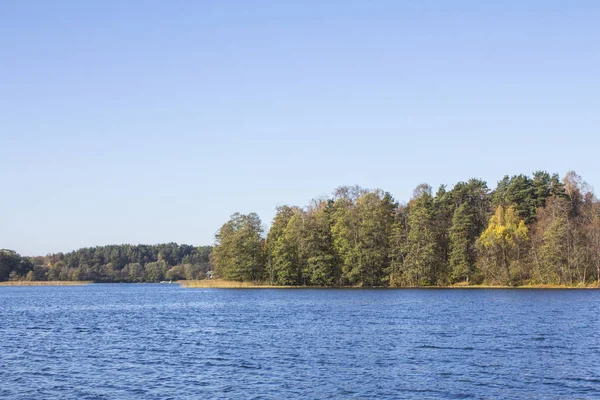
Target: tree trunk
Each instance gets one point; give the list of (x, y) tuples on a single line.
[(506, 266)]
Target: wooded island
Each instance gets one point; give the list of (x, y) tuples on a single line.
[(535, 229), (528, 230)]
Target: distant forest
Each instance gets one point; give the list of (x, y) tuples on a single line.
[(119, 263), (537, 229)]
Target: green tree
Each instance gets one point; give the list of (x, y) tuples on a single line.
[(118, 263), (321, 264), (362, 223), (345, 231), (12, 262), (398, 247), (469, 219), (545, 186), (135, 272), (517, 193), (592, 226), (550, 242), (462, 245), (194, 271), (555, 250), (175, 273), (282, 247), (525, 195), (155, 271), (238, 254), (422, 257), (376, 212)]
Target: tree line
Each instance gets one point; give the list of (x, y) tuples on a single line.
[(116, 263), (536, 229)]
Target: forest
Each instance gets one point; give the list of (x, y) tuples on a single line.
[(118, 263), (529, 230)]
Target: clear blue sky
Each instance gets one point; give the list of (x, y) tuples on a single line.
[(153, 121)]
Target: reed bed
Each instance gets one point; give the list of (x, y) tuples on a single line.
[(223, 284)]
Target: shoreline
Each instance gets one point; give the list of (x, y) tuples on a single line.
[(223, 284), (45, 283)]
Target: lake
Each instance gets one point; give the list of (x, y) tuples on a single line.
[(143, 341)]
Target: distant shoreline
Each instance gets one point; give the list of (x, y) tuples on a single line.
[(45, 283)]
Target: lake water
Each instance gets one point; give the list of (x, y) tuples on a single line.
[(127, 341)]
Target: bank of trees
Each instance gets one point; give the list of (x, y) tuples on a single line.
[(119, 263), (537, 229), (13, 266)]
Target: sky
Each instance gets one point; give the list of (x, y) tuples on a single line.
[(154, 121)]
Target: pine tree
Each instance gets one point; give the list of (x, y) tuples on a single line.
[(422, 253), (462, 252)]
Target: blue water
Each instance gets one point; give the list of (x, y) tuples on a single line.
[(132, 341)]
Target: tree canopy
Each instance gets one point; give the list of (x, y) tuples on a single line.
[(115, 263), (529, 229), (534, 229)]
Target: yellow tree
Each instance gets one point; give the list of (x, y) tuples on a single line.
[(500, 244)]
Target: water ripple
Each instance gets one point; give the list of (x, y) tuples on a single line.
[(161, 342)]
